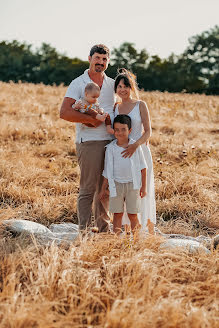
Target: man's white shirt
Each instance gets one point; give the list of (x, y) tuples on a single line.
[(106, 101)]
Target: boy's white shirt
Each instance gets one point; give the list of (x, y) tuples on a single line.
[(135, 167)]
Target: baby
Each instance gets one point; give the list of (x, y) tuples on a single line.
[(89, 105)]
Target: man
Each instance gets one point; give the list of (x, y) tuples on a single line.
[(91, 136)]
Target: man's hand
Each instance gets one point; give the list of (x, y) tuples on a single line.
[(143, 191), (95, 123)]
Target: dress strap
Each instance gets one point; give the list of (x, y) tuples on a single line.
[(114, 108)]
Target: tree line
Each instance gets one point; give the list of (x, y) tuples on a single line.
[(195, 70)]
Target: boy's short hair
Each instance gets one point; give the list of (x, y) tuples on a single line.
[(100, 49), (123, 119), (91, 87)]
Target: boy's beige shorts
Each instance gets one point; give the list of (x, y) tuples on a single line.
[(125, 194)]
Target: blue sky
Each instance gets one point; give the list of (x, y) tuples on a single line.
[(72, 27)]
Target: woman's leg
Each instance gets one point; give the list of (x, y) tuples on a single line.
[(150, 226), (117, 223)]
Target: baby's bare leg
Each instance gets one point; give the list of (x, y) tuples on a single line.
[(92, 112), (108, 120), (108, 123)]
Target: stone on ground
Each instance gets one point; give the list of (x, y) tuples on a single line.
[(20, 226), (43, 234), (64, 227), (184, 244), (216, 241)]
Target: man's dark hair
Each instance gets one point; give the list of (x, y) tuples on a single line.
[(100, 49), (123, 119)]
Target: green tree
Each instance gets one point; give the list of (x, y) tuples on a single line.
[(17, 62), (196, 70), (202, 57), (58, 68), (127, 56)]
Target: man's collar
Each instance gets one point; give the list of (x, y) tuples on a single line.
[(87, 78)]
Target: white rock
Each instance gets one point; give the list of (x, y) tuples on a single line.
[(64, 227), (58, 238), (216, 241), (184, 244), (66, 236), (66, 233), (178, 236), (206, 241), (19, 226)]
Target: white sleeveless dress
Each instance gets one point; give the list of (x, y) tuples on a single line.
[(148, 204)]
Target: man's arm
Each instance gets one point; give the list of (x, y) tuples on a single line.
[(67, 113)]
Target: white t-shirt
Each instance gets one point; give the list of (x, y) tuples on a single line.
[(137, 163), (106, 101), (121, 166)]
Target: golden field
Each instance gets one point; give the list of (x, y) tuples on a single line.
[(105, 281)]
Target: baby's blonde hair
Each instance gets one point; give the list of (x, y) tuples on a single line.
[(92, 87)]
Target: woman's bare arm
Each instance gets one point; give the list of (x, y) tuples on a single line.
[(145, 117)]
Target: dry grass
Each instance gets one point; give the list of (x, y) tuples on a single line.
[(104, 281)]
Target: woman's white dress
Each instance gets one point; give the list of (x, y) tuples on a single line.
[(148, 204)]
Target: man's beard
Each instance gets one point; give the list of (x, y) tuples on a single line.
[(99, 68)]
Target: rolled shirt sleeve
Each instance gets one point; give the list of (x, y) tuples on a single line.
[(74, 90)]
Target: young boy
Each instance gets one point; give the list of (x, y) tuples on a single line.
[(126, 177), (89, 105)]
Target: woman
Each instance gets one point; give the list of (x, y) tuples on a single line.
[(125, 88)]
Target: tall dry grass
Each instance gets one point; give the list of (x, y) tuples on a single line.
[(108, 282), (104, 281)]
